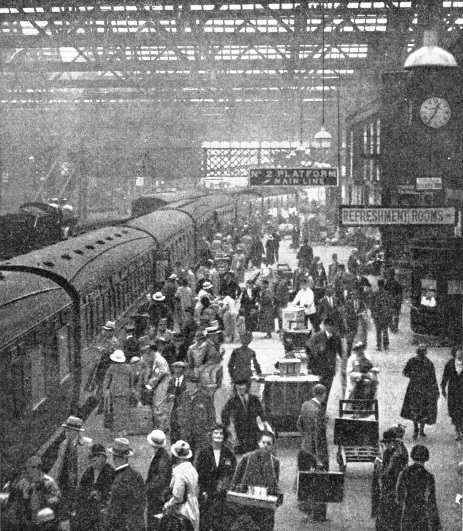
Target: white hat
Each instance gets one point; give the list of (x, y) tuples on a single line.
[(207, 285), (181, 449), (156, 438), (158, 296), (110, 325), (121, 447), (45, 515), (118, 356), (74, 423), (173, 276)]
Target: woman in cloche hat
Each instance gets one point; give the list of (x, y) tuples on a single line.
[(416, 494), (184, 484), (118, 389)]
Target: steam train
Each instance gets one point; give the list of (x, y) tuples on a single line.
[(53, 302)]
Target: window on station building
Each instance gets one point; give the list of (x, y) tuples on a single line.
[(428, 292)]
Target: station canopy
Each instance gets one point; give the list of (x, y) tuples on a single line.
[(216, 53)]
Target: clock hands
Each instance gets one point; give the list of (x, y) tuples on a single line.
[(436, 108)]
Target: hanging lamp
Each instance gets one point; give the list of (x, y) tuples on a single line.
[(322, 139)]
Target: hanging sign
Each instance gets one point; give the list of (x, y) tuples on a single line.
[(358, 216), (293, 177)]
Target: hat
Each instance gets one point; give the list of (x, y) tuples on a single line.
[(45, 515), (74, 423), (135, 360), (110, 325), (389, 435), (360, 345), (200, 334), (173, 277), (121, 447), (213, 327), (181, 449), (242, 284), (158, 296), (270, 237), (118, 356), (163, 320), (179, 364), (130, 327), (422, 348), (246, 337), (399, 430), (419, 453), (156, 438), (97, 449), (207, 285)]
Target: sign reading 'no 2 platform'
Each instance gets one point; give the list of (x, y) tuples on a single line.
[(293, 177)]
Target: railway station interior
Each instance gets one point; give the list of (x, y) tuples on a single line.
[(248, 206)]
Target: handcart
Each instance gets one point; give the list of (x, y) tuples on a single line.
[(356, 432)]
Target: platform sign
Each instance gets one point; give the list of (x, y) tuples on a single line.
[(364, 216), (293, 177)]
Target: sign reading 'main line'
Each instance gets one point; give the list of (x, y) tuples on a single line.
[(293, 177)]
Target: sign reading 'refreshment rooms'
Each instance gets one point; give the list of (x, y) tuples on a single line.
[(293, 177), (358, 216)]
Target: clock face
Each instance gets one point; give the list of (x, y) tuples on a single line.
[(435, 112)]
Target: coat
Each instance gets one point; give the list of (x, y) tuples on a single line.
[(159, 380), (119, 389), (127, 503), (388, 511), (89, 507), (249, 306), (266, 312), (259, 469), (420, 402), (321, 354), (381, 308), (213, 479), (179, 396), (240, 364), (245, 421), (416, 495), (333, 311), (157, 480), (311, 424), (454, 382), (185, 479)]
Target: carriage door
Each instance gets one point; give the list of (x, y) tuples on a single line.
[(160, 267)]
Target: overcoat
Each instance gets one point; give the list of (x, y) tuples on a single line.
[(420, 402), (454, 382), (416, 495), (240, 364), (119, 389), (127, 503), (157, 480), (185, 479), (266, 312), (311, 424), (245, 421)]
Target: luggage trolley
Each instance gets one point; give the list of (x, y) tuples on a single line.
[(356, 432)]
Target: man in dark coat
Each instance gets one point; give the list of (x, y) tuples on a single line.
[(394, 288), (322, 349), (329, 307), (305, 255), (215, 465), (420, 402), (176, 392), (131, 345), (381, 314), (260, 468), (395, 459), (94, 492), (229, 286), (280, 297), (127, 502), (311, 424), (452, 385), (242, 359), (158, 478), (244, 409)]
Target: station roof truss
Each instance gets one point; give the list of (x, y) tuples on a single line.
[(217, 53)]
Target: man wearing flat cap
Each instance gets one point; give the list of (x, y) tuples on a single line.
[(394, 460), (159, 476), (127, 502), (94, 492), (69, 466)]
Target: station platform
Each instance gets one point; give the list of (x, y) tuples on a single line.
[(354, 513)]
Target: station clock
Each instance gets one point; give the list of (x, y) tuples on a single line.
[(435, 112)]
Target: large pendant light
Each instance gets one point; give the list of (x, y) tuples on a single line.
[(322, 139)]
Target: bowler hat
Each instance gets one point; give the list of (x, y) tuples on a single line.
[(419, 453), (181, 449), (97, 449), (74, 423), (121, 447), (157, 438), (179, 364)]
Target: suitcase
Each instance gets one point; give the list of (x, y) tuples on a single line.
[(141, 420)]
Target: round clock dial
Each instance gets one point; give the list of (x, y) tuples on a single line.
[(435, 112)]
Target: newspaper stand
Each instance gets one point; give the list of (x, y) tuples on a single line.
[(356, 432)]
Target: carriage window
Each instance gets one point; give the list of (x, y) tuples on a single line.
[(428, 292), (37, 361), (63, 352)]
